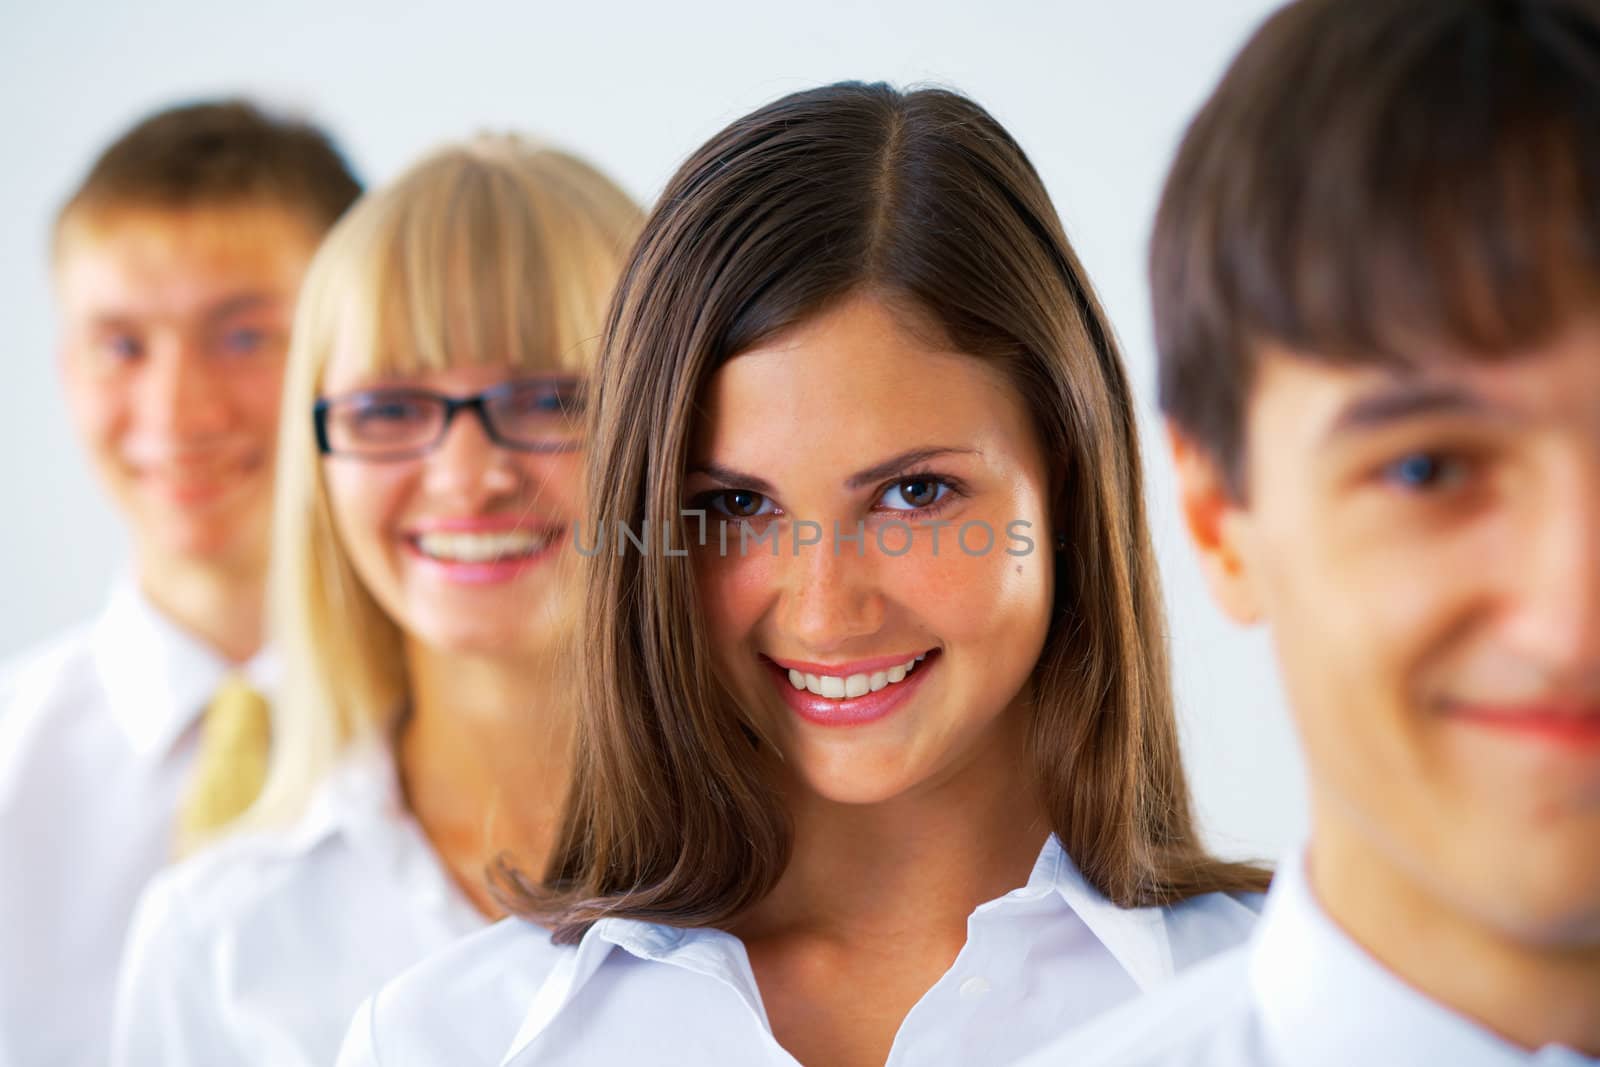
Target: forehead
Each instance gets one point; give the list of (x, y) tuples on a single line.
[(1555, 380), (347, 374), (153, 263), (849, 382)]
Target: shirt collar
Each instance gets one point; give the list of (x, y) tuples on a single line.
[(1135, 937), (361, 801), (157, 677), (1330, 1004), (361, 792), (359, 809)]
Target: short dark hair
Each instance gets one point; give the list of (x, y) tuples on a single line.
[(1372, 179), (218, 154)]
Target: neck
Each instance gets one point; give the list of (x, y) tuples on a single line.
[(484, 755), (220, 605), (1529, 994), (918, 864)]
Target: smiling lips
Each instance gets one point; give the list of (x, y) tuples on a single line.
[(481, 551), (851, 694), (187, 484), (462, 547), (1567, 724), (842, 686)]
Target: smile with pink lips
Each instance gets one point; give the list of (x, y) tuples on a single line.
[(853, 693), (1562, 723), (481, 550)]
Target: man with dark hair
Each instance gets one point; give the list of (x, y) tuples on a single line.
[(176, 264), (1376, 276)]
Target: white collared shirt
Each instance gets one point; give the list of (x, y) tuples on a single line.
[(96, 742), (1037, 961), (258, 950), (1301, 994)]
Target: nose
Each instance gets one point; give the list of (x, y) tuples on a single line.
[(832, 596), (182, 399), (1557, 616), (467, 467)]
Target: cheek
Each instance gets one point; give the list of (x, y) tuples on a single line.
[(977, 589), (734, 593), (558, 484), (364, 499), (1361, 620), (99, 407), (993, 601), (256, 394), (1378, 595)]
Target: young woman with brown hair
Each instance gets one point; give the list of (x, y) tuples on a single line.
[(877, 758)]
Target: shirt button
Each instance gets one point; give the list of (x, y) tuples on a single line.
[(974, 987)]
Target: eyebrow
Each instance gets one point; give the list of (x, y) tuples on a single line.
[(221, 310), (895, 464), (730, 477), (876, 473), (1404, 401), (241, 302)]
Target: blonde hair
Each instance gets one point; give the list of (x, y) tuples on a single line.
[(495, 250)]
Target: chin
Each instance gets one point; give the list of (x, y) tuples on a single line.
[(852, 781), (852, 794), (478, 637), (1549, 896), (207, 542), (466, 640)]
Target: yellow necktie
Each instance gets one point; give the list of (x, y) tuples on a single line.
[(229, 769)]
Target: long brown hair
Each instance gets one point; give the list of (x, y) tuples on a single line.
[(924, 199)]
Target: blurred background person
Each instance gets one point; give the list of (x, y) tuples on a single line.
[(430, 462), (176, 264)]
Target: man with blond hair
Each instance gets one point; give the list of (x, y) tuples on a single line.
[(176, 264)]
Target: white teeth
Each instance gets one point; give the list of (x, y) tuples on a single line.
[(481, 547), (848, 687)]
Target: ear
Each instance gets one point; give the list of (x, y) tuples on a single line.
[(1218, 524)]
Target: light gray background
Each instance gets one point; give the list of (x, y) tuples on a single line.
[(1097, 93)]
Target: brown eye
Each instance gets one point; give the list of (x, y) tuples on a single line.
[(919, 492), (740, 503), (914, 494)]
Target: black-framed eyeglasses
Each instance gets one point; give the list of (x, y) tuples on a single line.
[(529, 415)]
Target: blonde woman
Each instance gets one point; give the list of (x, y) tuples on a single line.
[(429, 474)]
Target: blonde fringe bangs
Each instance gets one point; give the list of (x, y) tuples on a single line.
[(493, 251)]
